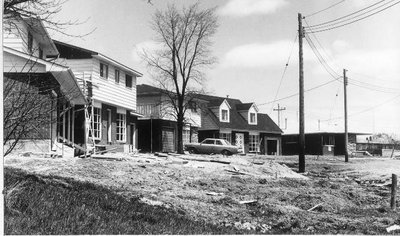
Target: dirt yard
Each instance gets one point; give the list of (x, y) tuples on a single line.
[(258, 193)]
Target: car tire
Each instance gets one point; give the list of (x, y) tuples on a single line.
[(226, 153), (192, 151)]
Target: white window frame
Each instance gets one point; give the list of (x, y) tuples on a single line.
[(117, 78), (227, 115), (255, 118), (185, 136), (121, 127), (96, 123), (103, 75), (254, 140)]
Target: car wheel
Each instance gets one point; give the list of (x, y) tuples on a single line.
[(192, 151), (226, 153)]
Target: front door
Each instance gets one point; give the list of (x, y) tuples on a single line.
[(240, 141)]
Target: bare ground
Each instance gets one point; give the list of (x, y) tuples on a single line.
[(350, 197)]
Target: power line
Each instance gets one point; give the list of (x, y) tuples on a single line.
[(343, 17), (293, 95), (331, 28), (321, 59), (325, 9), (284, 71), (368, 109)]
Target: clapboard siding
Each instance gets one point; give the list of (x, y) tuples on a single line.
[(16, 37), (15, 64), (105, 90)]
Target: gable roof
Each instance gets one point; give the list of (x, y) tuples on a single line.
[(69, 51), (243, 106), (210, 120)]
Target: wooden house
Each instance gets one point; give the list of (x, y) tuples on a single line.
[(241, 124), (27, 45), (110, 119)]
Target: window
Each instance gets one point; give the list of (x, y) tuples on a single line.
[(117, 76), (253, 119), (30, 43), (104, 70), (96, 124), (226, 136), (254, 144), (128, 81), (41, 53), (208, 141), (224, 115), (192, 106), (218, 142), (121, 127), (186, 136)]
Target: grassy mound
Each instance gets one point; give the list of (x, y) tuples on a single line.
[(53, 205)]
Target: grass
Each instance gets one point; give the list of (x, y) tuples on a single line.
[(44, 205)]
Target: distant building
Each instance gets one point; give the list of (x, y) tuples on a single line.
[(319, 143)]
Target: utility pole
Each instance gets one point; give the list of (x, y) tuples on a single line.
[(302, 164), (346, 135), (279, 109), (285, 123)]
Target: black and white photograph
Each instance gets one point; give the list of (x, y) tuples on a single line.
[(192, 117)]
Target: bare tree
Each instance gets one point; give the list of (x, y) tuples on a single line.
[(186, 41), (43, 10)]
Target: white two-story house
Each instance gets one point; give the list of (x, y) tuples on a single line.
[(48, 122), (110, 119)]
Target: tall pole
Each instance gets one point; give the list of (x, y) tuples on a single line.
[(302, 164), (346, 135), (2, 183), (279, 109)]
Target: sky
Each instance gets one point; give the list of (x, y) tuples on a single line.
[(254, 42)]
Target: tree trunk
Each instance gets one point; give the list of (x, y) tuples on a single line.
[(180, 129)]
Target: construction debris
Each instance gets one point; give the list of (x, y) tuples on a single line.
[(315, 207), (392, 228), (247, 202)]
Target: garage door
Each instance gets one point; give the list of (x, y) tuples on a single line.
[(168, 144)]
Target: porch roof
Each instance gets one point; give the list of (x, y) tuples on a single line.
[(19, 62)]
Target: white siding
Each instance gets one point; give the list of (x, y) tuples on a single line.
[(16, 37), (17, 64), (105, 90)]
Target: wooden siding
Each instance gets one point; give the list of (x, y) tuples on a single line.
[(15, 64), (108, 91), (104, 90), (16, 37)]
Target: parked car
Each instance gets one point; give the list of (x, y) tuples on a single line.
[(212, 145)]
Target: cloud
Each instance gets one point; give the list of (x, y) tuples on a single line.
[(262, 55), (147, 46), (241, 8)]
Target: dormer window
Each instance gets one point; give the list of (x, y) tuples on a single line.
[(253, 118), (224, 115), (224, 112)]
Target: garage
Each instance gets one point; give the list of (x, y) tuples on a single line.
[(168, 141)]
